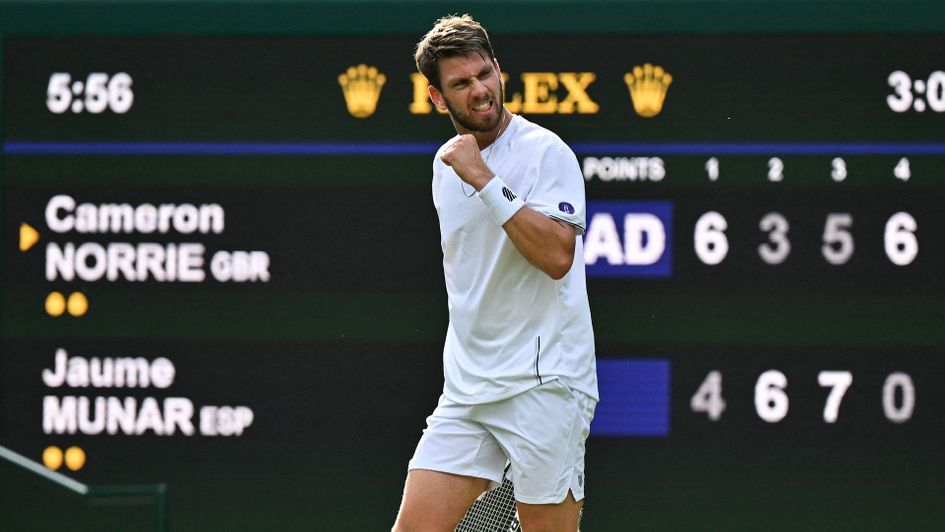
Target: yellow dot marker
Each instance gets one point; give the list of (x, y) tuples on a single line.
[(55, 304), (75, 458), (52, 457), (78, 304)]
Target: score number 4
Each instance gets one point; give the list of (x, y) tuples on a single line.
[(772, 403)]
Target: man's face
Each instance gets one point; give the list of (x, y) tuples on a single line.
[(471, 91)]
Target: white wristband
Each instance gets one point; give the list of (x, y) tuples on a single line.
[(500, 200)]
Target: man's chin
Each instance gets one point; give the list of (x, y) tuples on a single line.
[(485, 125), (478, 124)]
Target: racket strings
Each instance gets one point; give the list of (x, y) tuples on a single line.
[(493, 511)]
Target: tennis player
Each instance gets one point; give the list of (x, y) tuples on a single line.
[(519, 366)]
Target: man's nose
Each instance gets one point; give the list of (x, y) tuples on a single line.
[(479, 87)]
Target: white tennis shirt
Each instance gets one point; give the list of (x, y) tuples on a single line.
[(512, 327)]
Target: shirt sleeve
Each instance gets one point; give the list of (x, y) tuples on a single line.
[(436, 178), (435, 186), (558, 191)]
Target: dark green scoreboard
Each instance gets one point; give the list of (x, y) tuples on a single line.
[(221, 264)]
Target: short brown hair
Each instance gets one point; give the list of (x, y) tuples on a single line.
[(451, 36)]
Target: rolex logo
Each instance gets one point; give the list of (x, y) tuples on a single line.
[(648, 85), (362, 88)]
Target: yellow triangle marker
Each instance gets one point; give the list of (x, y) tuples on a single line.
[(28, 236)]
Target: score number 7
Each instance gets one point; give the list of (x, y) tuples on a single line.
[(839, 382)]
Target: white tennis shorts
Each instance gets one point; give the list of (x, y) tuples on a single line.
[(541, 431)]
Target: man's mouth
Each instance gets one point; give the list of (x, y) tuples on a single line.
[(484, 106)]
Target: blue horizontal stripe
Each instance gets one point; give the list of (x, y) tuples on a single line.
[(638, 407), (428, 148), (759, 148), (220, 148)]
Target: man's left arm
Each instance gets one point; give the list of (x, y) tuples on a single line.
[(544, 230), (546, 243)]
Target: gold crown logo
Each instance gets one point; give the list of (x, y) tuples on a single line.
[(362, 88), (648, 85)]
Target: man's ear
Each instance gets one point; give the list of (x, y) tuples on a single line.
[(436, 97)]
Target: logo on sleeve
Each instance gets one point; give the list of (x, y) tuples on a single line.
[(566, 207), (509, 195)]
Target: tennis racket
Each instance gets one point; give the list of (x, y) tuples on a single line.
[(493, 511)]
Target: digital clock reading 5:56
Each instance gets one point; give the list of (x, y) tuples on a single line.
[(97, 93)]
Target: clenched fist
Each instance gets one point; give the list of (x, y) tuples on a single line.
[(462, 154)]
